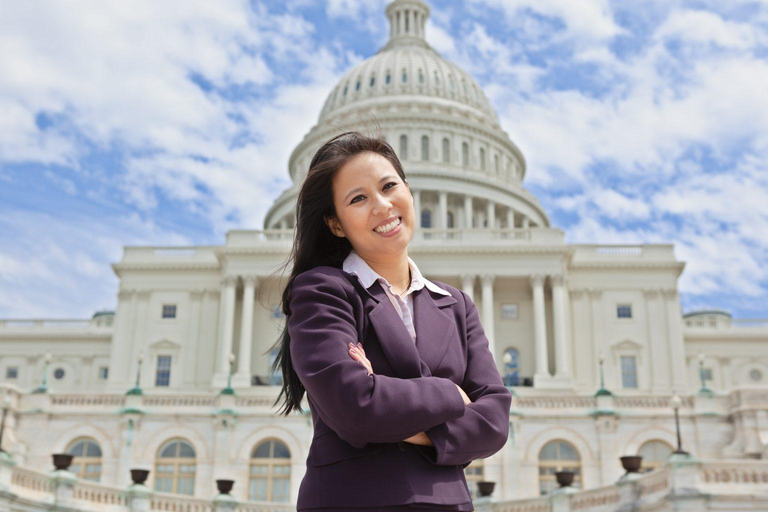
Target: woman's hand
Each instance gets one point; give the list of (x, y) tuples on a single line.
[(357, 353), (467, 401)]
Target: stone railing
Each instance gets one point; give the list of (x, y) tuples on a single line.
[(51, 324), (62, 490), (719, 476)]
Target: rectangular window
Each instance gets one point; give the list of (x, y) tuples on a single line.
[(163, 377), (169, 310), (12, 372), (103, 373), (628, 372), (706, 373), (624, 311)]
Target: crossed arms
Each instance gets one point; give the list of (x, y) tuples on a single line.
[(375, 408)]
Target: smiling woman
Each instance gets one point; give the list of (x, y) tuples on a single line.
[(394, 424)]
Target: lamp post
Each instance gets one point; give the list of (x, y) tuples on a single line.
[(43, 388), (704, 390), (602, 391), (676, 403), (137, 389), (6, 406), (228, 390)]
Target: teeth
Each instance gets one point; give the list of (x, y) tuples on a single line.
[(389, 227)]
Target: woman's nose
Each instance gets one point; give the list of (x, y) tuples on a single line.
[(382, 204)]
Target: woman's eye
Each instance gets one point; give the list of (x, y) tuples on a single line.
[(386, 187), (353, 199), (388, 184)]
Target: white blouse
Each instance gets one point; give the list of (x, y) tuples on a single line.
[(354, 264)]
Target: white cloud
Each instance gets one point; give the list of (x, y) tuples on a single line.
[(705, 26)]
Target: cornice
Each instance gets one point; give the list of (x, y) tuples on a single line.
[(123, 267), (642, 265), (69, 335)]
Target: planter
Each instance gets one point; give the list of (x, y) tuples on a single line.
[(139, 476), (632, 463), (225, 486), (485, 488), (62, 460), (564, 478)]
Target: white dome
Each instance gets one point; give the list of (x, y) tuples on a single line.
[(406, 66), (459, 161)]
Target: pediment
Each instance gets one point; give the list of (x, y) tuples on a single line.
[(626, 345), (164, 344)]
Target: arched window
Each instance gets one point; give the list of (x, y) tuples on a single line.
[(496, 164), (449, 220), (389, 78), (426, 218), (654, 453), (403, 147), (175, 468), (270, 478), (405, 75), (557, 456), (437, 78), (357, 85), (425, 148), (464, 154), (346, 87), (446, 151), (511, 367), (86, 463), (474, 474), (482, 159), (421, 76), (373, 80)]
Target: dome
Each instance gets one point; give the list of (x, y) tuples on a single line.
[(464, 170), (406, 67)]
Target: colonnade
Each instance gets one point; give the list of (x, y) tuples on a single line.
[(542, 377), (242, 378), (469, 201)]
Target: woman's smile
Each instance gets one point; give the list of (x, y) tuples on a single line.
[(390, 229)]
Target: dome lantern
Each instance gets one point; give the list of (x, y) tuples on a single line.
[(407, 19)]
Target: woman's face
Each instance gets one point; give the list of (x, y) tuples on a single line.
[(367, 193)]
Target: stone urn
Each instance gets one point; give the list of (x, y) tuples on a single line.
[(225, 486), (139, 476), (485, 488), (632, 463), (61, 461), (564, 478)]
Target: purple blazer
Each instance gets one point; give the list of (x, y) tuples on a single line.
[(357, 458)]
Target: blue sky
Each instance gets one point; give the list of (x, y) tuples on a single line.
[(169, 123)]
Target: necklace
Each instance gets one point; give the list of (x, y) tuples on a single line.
[(409, 283)]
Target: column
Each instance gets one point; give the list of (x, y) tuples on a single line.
[(491, 214), (510, 218), (488, 312), (120, 350), (417, 206), (562, 369), (140, 342), (243, 376), (675, 337), (468, 285), (540, 329), (598, 339), (284, 223), (443, 208), (658, 360), (229, 283), (526, 222), (193, 336), (468, 211)]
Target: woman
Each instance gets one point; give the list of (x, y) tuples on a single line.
[(403, 390)]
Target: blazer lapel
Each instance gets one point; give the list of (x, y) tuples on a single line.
[(409, 360), (433, 327)]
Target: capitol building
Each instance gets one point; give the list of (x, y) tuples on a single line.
[(590, 339)]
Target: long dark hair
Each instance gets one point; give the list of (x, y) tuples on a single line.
[(314, 245)]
